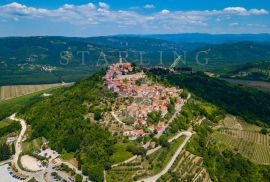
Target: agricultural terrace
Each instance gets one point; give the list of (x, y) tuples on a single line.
[(142, 167), (8, 92), (187, 167), (243, 138), (247, 147), (251, 136)]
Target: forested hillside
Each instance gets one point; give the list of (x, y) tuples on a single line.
[(62, 120), (209, 38), (230, 54)]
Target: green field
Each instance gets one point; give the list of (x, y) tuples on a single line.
[(120, 153), (34, 145), (11, 106), (5, 123)]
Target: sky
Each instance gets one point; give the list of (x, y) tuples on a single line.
[(84, 18)]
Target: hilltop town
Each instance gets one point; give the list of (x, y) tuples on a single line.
[(141, 104)]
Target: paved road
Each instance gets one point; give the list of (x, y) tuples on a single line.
[(18, 146), (169, 165)]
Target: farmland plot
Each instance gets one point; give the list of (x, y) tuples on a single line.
[(233, 122), (247, 147), (8, 92), (248, 135)]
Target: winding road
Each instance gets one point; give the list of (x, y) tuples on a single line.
[(18, 146), (169, 165)]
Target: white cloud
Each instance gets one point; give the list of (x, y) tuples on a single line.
[(165, 11), (68, 6), (244, 11), (104, 5), (240, 10), (91, 14), (149, 6), (258, 11)]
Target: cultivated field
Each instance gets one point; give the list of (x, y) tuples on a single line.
[(260, 85), (187, 167), (251, 136), (254, 147), (8, 92), (244, 138), (233, 122)]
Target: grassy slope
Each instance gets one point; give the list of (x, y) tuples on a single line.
[(11, 106)]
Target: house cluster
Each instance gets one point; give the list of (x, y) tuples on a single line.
[(147, 98)]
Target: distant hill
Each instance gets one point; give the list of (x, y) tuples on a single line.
[(32, 60), (229, 54), (250, 71), (207, 38)]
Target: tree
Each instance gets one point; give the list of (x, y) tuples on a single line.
[(72, 143), (163, 142), (78, 178), (135, 150), (5, 152), (54, 174), (133, 64), (13, 148), (154, 117), (139, 81), (264, 131), (170, 108), (184, 94)]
